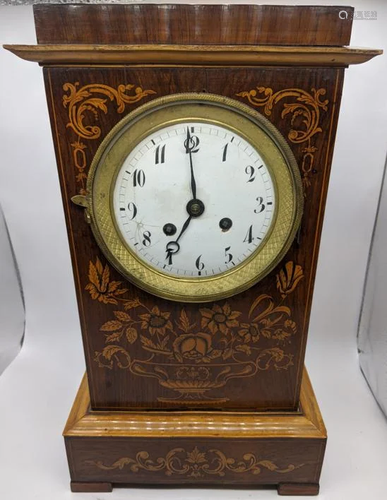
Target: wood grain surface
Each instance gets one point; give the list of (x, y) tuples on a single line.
[(274, 376), (266, 455), (193, 24)]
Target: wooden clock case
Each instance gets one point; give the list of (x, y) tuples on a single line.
[(164, 401)]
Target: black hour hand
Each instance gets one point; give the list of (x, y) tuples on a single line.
[(173, 246)]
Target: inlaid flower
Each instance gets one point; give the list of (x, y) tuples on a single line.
[(291, 325), (249, 332), (288, 278), (156, 321), (281, 334), (192, 346), (219, 318), (284, 333)]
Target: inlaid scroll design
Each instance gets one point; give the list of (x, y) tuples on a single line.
[(195, 354), (305, 117), (84, 103), (195, 463)]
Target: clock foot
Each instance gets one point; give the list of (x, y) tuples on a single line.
[(298, 489), (79, 487)]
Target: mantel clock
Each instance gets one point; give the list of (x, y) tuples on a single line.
[(194, 144)]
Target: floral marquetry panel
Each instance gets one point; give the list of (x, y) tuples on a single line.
[(245, 352)]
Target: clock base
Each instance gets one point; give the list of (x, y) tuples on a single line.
[(196, 448)]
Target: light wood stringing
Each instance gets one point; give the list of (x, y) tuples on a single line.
[(223, 55), (306, 423)]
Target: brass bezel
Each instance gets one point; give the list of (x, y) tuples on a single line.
[(208, 108)]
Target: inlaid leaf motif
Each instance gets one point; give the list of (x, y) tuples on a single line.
[(114, 286), (98, 266), (99, 286), (257, 301), (131, 335), (98, 103), (164, 343), (243, 348), (93, 274), (147, 343), (113, 354), (130, 304), (113, 337), (120, 464), (109, 351), (195, 457), (111, 326), (122, 316), (105, 279), (184, 323), (227, 353), (268, 464)]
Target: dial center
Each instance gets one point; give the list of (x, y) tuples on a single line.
[(195, 208)]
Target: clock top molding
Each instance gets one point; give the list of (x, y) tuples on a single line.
[(190, 35)]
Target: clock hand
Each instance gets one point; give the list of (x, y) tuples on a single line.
[(194, 207), (185, 225), (190, 144), (173, 246)]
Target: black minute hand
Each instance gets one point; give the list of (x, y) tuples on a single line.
[(190, 144)]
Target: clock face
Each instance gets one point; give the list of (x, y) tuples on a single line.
[(194, 199)]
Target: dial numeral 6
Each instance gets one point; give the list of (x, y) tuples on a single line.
[(199, 265)]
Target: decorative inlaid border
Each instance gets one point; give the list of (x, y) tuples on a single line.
[(304, 122), (195, 463), (83, 102)]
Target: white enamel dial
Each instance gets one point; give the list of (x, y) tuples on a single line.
[(194, 199)]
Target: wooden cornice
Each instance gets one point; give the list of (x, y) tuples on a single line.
[(191, 55)]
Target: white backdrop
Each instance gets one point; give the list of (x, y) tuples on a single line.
[(45, 375)]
